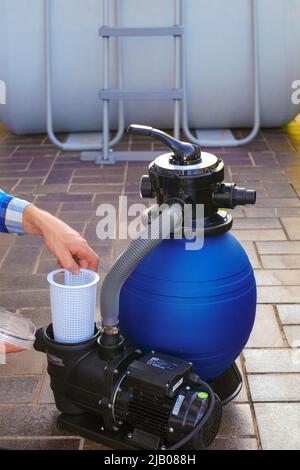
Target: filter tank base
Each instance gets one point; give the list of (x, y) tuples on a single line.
[(227, 386)]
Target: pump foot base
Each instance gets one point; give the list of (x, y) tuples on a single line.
[(91, 427)]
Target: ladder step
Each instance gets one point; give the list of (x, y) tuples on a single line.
[(107, 31), (117, 95)]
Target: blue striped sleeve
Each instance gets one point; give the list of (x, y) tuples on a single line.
[(11, 214)]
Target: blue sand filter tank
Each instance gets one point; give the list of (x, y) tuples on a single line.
[(199, 305), (196, 304)]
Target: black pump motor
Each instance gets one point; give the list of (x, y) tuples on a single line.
[(127, 400)]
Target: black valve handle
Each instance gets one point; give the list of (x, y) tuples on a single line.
[(184, 153)]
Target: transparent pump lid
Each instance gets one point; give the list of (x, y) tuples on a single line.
[(16, 330)]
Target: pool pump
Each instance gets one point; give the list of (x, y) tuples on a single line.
[(158, 370)]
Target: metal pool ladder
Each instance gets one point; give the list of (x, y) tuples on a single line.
[(102, 153), (107, 94)]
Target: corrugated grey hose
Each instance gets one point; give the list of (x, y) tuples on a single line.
[(158, 230)]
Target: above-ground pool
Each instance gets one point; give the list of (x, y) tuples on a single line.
[(219, 56)]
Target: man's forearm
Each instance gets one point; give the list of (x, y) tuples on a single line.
[(22, 217), (35, 220), (11, 213), (68, 246)]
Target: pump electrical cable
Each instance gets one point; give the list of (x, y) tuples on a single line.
[(203, 421)]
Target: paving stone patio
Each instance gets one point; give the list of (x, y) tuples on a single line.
[(266, 415)]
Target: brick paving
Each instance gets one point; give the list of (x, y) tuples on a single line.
[(266, 415)]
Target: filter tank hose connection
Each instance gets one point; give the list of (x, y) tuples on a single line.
[(229, 195), (158, 230)]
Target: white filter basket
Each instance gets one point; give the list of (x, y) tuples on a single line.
[(73, 304)]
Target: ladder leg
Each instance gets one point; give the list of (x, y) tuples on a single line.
[(176, 131), (106, 65), (121, 105), (256, 77), (105, 152), (177, 71)]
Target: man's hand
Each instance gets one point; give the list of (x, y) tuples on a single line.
[(71, 250)]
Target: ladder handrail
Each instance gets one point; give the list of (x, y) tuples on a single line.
[(257, 120), (49, 114), (106, 41)]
